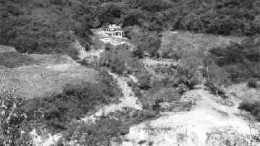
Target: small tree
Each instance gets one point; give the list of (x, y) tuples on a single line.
[(252, 83), (12, 121)]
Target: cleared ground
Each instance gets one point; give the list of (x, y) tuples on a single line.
[(44, 76)]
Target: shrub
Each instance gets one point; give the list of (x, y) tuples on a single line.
[(252, 83), (144, 81), (214, 89), (76, 101), (36, 27), (245, 105), (12, 121), (147, 43), (239, 61), (252, 107), (100, 133)]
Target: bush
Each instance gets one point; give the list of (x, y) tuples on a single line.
[(36, 27), (147, 43), (107, 129), (12, 121), (144, 81), (214, 89), (252, 107), (239, 61), (252, 83), (100, 133)]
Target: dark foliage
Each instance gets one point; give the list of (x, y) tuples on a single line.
[(252, 107), (47, 26), (50, 26), (75, 101), (107, 128), (100, 133), (240, 61), (120, 60), (225, 17), (144, 81), (215, 89), (252, 83), (12, 121)]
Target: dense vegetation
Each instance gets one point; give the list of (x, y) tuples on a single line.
[(120, 60), (252, 107), (52, 113), (239, 62), (50, 26), (46, 26), (225, 17)]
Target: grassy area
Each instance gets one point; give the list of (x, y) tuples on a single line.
[(175, 44), (15, 59), (53, 113)]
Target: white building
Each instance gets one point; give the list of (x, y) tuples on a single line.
[(113, 31)]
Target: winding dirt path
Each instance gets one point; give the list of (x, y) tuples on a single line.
[(128, 100)]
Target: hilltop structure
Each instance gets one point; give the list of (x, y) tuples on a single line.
[(113, 30)]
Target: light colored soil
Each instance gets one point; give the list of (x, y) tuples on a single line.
[(128, 100), (190, 128)]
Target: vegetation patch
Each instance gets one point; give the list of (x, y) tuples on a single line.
[(54, 113), (15, 59), (252, 107), (239, 61), (107, 129)]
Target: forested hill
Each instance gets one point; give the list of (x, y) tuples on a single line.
[(44, 26), (49, 26), (225, 17)]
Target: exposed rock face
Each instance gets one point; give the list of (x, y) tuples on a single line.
[(208, 124)]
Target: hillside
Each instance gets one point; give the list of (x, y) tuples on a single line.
[(129, 72), (33, 75)]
